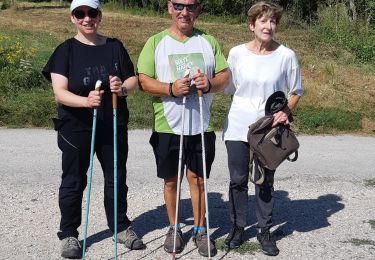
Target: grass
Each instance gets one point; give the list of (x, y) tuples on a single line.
[(27, 108), (361, 242), (372, 223), (339, 91), (327, 120), (246, 248), (42, 42), (370, 182)]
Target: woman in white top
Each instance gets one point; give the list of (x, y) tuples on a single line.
[(259, 68)]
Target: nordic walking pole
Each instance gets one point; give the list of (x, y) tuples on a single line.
[(200, 96), (114, 106), (179, 170), (97, 88)]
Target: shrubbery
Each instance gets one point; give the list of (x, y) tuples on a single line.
[(17, 70), (311, 119), (24, 100), (335, 28)]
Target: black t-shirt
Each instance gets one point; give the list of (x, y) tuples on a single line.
[(83, 65)]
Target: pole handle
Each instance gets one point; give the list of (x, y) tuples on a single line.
[(114, 100), (98, 85), (200, 92)]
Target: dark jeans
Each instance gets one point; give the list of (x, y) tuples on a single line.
[(238, 163), (74, 141)]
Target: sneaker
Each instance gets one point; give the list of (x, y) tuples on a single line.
[(130, 239), (234, 238), (70, 248), (267, 244), (200, 240), (169, 240)]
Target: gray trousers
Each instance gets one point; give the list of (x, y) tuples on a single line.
[(238, 163)]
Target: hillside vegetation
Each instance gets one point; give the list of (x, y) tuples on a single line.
[(339, 82)]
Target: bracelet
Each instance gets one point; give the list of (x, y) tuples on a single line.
[(124, 91), (171, 90), (209, 87)]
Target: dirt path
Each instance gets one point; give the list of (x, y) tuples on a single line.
[(322, 202)]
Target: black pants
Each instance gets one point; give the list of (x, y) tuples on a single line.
[(238, 163), (74, 141)]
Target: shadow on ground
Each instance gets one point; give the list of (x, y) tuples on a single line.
[(303, 215), (290, 215)]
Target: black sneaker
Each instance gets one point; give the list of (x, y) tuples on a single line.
[(169, 240), (70, 248), (267, 244), (234, 238), (200, 240), (130, 239)]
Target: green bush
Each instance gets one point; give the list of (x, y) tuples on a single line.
[(15, 79), (335, 28), (5, 5), (154, 5), (23, 96), (17, 70), (28, 108), (215, 7), (312, 120), (363, 48)]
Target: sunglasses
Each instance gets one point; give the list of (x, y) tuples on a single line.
[(179, 7), (80, 14)]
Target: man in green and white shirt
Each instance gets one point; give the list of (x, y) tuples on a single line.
[(176, 63)]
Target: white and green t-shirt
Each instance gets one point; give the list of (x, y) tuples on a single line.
[(167, 59)]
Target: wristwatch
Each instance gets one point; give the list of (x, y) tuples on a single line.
[(124, 91)]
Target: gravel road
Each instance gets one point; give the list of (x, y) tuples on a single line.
[(322, 202)]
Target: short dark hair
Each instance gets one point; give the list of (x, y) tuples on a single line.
[(266, 8)]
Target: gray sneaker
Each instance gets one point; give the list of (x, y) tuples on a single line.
[(169, 240), (200, 240), (70, 248), (130, 239)]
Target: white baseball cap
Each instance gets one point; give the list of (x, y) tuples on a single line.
[(91, 3)]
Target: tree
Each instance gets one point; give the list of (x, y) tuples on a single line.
[(7, 4), (353, 10)]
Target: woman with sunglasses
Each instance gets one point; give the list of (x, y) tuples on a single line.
[(74, 68), (172, 66), (258, 68)]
